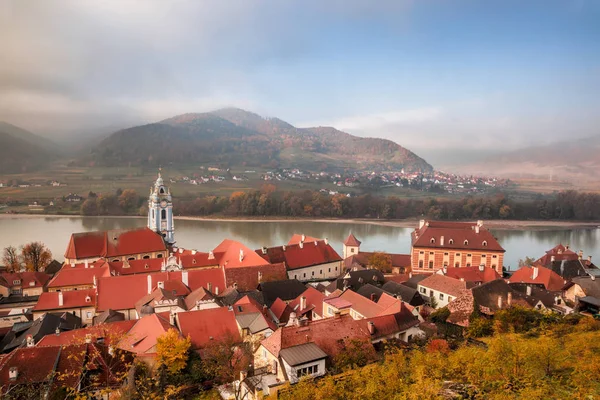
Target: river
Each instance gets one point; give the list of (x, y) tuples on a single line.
[(204, 235)]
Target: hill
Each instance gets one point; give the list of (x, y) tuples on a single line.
[(232, 136), (573, 160), (23, 151)]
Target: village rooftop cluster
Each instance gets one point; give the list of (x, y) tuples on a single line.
[(296, 306)]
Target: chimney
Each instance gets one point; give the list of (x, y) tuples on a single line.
[(293, 319), (264, 250), (172, 318), (482, 267), (421, 223), (499, 301), (149, 284), (95, 281), (72, 265), (13, 372), (160, 285), (87, 265), (326, 241), (209, 286), (211, 255), (410, 275), (301, 244), (441, 240), (552, 258), (88, 338), (30, 341), (184, 278), (241, 255), (57, 331), (243, 376), (477, 228), (60, 299), (528, 290), (479, 223), (217, 290), (283, 247), (445, 269), (371, 327), (302, 303), (567, 247), (535, 272), (562, 267), (194, 252), (303, 238), (580, 254), (260, 276), (111, 351), (180, 251), (509, 299), (274, 367), (337, 314), (316, 243)]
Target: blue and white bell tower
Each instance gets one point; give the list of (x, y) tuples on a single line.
[(160, 210)]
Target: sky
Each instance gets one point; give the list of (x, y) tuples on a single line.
[(447, 79)]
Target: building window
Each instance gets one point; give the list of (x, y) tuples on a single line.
[(430, 264), (329, 269), (431, 253), (469, 255), (468, 265), (131, 259), (16, 282), (457, 265), (432, 241), (494, 256), (352, 250), (423, 290), (441, 296), (466, 242), (445, 254), (431, 293), (305, 274), (159, 256), (163, 214), (421, 252), (336, 268), (146, 257), (484, 243), (420, 263), (483, 256), (313, 273), (88, 314), (321, 272), (313, 369), (493, 266), (451, 241), (445, 264)]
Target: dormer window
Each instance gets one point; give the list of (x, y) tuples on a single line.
[(162, 190), (88, 299), (451, 241), (484, 243), (194, 261), (432, 240), (31, 283), (146, 266), (466, 242), (16, 282)]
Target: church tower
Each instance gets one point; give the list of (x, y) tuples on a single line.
[(160, 210)]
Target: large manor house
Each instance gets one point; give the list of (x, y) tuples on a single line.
[(296, 305)]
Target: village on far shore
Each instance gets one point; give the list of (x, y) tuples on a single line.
[(294, 307)]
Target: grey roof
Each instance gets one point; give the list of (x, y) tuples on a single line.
[(356, 279), (590, 300), (414, 280), (568, 269), (286, 290), (591, 287), (406, 293), (254, 322), (302, 354)]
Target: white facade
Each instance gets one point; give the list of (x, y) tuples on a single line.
[(319, 272), (160, 211), (313, 368), (442, 299)]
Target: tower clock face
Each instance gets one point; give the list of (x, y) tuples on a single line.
[(163, 203)]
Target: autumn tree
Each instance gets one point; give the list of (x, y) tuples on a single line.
[(224, 359), (36, 256), (356, 353), (381, 261), (128, 200), (11, 259), (172, 351)]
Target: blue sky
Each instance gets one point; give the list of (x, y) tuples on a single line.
[(432, 75)]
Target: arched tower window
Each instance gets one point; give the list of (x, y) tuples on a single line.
[(162, 190), (163, 214)]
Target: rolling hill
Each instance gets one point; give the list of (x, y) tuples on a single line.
[(231, 136), (22, 151)]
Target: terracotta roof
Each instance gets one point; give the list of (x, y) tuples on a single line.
[(560, 252), (204, 326), (230, 252), (314, 302), (109, 331), (392, 323), (300, 255), (546, 277), (444, 284), (398, 278), (247, 305), (247, 278), (26, 279), (329, 334), (280, 309), (198, 295), (34, 365), (367, 308), (351, 240), (49, 301), (123, 292), (141, 338), (455, 234), (114, 243), (472, 274), (297, 238), (79, 275)]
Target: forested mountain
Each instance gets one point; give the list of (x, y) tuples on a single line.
[(23, 151), (232, 136)]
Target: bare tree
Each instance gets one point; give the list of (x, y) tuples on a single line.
[(11, 259)]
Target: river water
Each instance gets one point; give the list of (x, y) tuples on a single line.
[(205, 235)]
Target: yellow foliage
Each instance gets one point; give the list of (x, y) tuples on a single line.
[(172, 351)]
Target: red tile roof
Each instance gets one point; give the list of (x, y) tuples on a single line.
[(473, 274), (301, 255), (281, 310), (26, 279), (79, 275), (455, 234), (234, 254), (48, 301), (393, 323), (550, 279), (297, 238), (247, 305), (329, 334), (560, 253), (444, 284), (247, 278), (114, 243), (204, 326), (122, 292), (34, 364), (314, 302), (398, 278), (110, 331), (141, 339), (368, 308), (351, 240)]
